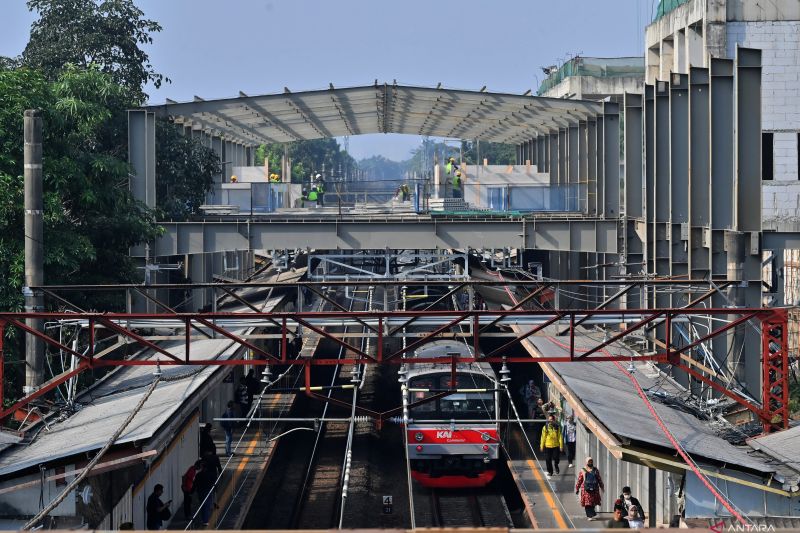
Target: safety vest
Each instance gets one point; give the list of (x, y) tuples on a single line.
[(449, 167), (312, 195), (456, 182), (320, 188)]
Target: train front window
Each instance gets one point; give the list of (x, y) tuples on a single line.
[(419, 389), (473, 399)]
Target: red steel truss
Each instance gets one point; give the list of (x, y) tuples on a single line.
[(773, 410)]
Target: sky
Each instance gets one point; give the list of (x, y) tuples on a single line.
[(214, 48)]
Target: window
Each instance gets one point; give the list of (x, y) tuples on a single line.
[(766, 155)]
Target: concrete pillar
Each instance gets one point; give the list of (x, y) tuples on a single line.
[(667, 58), (34, 249), (695, 55)]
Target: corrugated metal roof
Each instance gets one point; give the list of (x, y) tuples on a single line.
[(610, 396), (107, 405), (784, 446), (379, 108)]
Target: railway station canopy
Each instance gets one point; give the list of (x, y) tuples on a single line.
[(378, 108)]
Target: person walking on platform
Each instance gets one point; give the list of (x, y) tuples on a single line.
[(457, 192), (204, 486), (531, 395), (618, 521), (243, 398), (570, 438), (227, 426), (589, 485), (626, 501), (206, 440), (551, 444), (187, 486)]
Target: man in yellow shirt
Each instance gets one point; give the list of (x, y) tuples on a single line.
[(551, 444)]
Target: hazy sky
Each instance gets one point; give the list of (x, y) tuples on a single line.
[(215, 48)]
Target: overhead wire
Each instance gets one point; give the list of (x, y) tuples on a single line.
[(78, 479)]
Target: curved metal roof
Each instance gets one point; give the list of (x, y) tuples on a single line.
[(379, 108)]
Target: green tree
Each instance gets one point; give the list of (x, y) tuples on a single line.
[(307, 157), (495, 153), (185, 170), (91, 219), (107, 33)]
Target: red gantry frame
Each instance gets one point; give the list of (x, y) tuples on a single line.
[(773, 411)]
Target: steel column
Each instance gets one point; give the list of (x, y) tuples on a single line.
[(699, 173)]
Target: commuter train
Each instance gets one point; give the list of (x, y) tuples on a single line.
[(453, 441)]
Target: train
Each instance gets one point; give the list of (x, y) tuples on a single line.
[(453, 440)]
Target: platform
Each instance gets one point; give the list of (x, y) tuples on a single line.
[(552, 504), (243, 474)]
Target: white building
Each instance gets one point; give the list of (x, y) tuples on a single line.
[(688, 32), (594, 78)]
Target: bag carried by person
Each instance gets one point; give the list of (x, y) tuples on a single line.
[(590, 480), (165, 515)]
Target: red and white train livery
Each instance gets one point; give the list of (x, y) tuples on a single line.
[(453, 441)]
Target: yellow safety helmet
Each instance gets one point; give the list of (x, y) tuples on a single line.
[(452, 159), (234, 179), (458, 173)]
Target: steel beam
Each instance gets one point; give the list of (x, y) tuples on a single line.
[(748, 198), (591, 167), (679, 177), (585, 235), (552, 158)]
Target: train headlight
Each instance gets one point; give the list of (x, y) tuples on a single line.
[(418, 436), (485, 437), (486, 447), (419, 447)]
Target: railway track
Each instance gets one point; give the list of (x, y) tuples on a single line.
[(303, 474), (460, 508)]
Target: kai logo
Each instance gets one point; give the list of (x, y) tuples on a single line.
[(444, 434)]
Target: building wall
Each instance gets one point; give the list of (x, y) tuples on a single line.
[(714, 28), (25, 502), (594, 88), (780, 107), (167, 470)]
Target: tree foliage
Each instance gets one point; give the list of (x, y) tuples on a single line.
[(318, 155), (495, 153), (185, 170), (90, 217), (108, 34)]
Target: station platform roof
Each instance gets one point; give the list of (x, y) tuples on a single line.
[(378, 108)]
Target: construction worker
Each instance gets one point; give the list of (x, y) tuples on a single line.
[(311, 196), (451, 163), (320, 188), (234, 179), (405, 192), (274, 178), (457, 193)]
